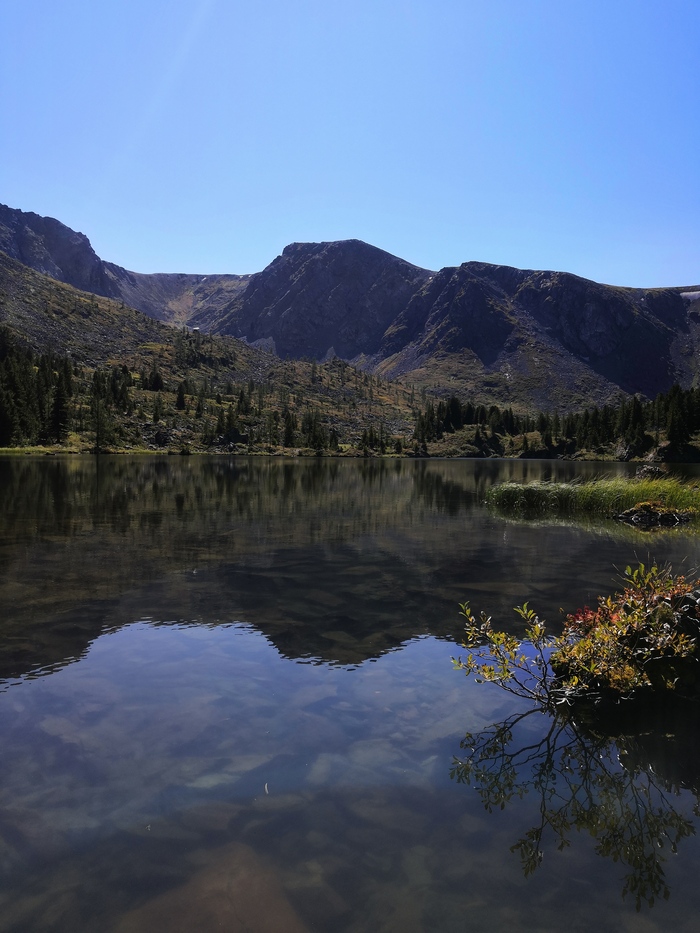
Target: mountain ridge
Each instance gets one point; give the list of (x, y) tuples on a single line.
[(529, 338)]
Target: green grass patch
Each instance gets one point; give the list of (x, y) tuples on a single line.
[(604, 497)]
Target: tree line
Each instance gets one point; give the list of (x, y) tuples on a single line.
[(45, 396), (636, 423), (35, 394)]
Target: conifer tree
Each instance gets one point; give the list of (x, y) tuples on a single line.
[(60, 413), (180, 401)]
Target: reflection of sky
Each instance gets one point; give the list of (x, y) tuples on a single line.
[(183, 709), (159, 720)]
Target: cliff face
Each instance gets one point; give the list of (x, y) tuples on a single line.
[(524, 331), (627, 335), (496, 333), (456, 309), (49, 247)]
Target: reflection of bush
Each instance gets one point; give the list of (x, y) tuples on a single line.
[(582, 781), (632, 659), (609, 527)]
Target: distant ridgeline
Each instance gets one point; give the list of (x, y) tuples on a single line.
[(536, 340)]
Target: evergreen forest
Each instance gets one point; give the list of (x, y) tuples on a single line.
[(180, 403)]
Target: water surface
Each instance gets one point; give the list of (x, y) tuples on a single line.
[(239, 669)]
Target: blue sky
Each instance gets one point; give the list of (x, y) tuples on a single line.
[(203, 136)]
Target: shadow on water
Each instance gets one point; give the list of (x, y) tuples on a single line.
[(631, 785)]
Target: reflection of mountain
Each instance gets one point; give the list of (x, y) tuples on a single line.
[(337, 560), (311, 553)]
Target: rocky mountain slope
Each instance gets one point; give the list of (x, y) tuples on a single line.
[(321, 299), (51, 316), (498, 334), (49, 247), (522, 333)]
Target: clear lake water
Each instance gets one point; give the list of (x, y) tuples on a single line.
[(227, 702)]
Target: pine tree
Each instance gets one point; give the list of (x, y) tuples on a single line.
[(220, 423), (677, 429), (8, 417), (290, 428), (60, 413), (157, 408), (180, 401)]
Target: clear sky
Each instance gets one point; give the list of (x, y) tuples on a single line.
[(205, 135)]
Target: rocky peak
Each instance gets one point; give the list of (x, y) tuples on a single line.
[(316, 296), (48, 246)]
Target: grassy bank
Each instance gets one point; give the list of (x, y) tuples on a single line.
[(603, 497)]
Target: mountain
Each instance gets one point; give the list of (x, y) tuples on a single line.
[(49, 247), (51, 316), (531, 339), (545, 338), (321, 299), (498, 334)]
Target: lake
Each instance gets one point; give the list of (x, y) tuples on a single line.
[(227, 702)]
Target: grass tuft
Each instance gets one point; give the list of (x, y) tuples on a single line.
[(605, 497)]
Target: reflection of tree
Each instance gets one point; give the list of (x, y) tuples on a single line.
[(442, 493), (581, 781)]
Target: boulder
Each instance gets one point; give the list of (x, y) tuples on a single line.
[(235, 893), (647, 515)]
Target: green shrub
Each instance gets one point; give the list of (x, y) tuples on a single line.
[(642, 641)]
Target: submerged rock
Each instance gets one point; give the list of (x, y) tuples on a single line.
[(236, 893)]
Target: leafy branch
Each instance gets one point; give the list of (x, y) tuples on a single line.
[(520, 668), (644, 639)]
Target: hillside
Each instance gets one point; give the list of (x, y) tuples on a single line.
[(493, 334), (49, 247), (232, 395), (52, 316)]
